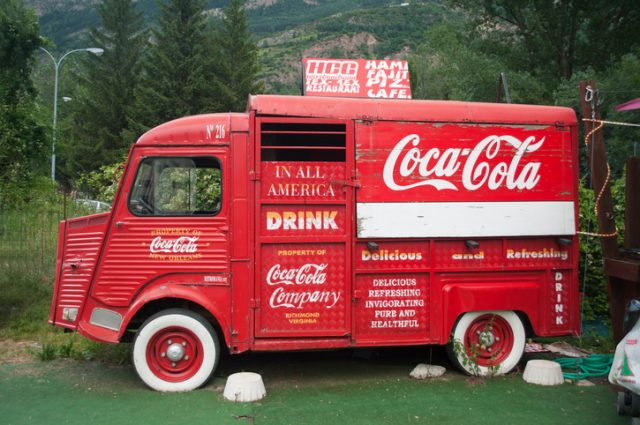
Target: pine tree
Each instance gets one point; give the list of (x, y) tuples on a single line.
[(177, 70), (238, 66), (108, 86)]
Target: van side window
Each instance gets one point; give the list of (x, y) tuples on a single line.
[(176, 186)]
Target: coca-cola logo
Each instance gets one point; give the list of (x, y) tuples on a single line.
[(307, 274), (408, 166), (297, 290), (179, 245)]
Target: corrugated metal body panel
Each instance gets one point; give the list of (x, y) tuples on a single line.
[(82, 244), (464, 180), (303, 293), (143, 248), (427, 162), (129, 261), (392, 293), (303, 229), (393, 308)]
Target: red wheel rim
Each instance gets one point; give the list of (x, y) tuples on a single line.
[(488, 340), (174, 354)]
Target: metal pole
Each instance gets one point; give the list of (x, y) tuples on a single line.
[(505, 85), (56, 66), (55, 103), (55, 120)]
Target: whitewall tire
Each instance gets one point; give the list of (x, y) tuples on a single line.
[(487, 342), (175, 350)]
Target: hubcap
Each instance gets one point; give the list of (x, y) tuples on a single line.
[(486, 338), (175, 352)]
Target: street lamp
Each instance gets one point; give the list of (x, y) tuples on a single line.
[(93, 50)]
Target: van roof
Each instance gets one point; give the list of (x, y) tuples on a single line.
[(409, 110), (208, 128)]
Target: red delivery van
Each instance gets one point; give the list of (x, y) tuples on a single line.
[(319, 223)]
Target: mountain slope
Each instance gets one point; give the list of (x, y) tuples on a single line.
[(285, 30)]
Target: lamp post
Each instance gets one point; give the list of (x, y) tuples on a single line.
[(56, 64)]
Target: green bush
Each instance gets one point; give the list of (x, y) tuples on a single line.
[(593, 284), (45, 352), (102, 183), (55, 344)]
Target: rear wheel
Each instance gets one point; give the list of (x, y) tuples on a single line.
[(635, 405), (175, 350), (623, 403), (487, 342)]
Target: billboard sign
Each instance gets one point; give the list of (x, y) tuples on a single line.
[(356, 78)]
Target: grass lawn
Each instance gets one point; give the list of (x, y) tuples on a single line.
[(371, 387)]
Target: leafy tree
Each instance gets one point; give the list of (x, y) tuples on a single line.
[(451, 66), (18, 40), (177, 75), (237, 60), (107, 99), (101, 184), (22, 141), (619, 84), (554, 38)]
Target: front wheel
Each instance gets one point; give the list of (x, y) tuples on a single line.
[(487, 342), (175, 350)]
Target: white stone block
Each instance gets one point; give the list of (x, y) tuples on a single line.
[(244, 387)]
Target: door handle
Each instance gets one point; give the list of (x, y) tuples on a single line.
[(121, 223)]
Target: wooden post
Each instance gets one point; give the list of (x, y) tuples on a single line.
[(632, 205), (602, 189), (599, 172)]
